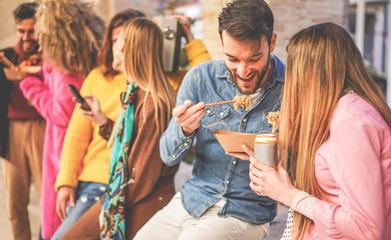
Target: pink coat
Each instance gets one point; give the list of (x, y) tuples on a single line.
[(353, 167), (51, 97)]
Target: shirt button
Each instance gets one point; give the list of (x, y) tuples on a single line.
[(245, 120), (227, 182), (173, 156), (208, 111), (221, 114), (185, 144), (234, 162), (187, 140)]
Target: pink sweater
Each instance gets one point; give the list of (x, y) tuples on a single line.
[(353, 167), (51, 97)]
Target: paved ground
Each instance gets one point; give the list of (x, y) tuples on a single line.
[(34, 213), (184, 173)]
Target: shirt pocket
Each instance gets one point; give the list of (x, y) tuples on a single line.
[(215, 117)]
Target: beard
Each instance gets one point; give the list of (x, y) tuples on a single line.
[(259, 74), (28, 49)]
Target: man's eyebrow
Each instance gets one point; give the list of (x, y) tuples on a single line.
[(228, 55), (252, 56), (258, 54)]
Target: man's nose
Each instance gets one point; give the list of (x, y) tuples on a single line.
[(243, 70), (26, 36)]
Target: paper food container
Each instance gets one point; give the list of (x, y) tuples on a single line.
[(18, 74), (232, 141)]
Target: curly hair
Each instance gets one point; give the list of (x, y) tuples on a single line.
[(70, 34)]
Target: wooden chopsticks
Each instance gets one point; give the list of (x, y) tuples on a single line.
[(218, 103), (7, 62)]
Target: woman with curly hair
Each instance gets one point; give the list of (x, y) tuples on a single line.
[(70, 35)]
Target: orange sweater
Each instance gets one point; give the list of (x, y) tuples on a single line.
[(83, 147)]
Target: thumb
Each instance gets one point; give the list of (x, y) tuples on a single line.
[(280, 168), (72, 200)]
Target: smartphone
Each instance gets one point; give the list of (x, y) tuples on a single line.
[(79, 98)]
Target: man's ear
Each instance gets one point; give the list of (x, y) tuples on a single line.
[(273, 41)]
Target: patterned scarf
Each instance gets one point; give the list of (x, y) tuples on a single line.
[(113, 210)]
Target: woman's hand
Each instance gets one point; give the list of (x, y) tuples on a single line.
[(274, 183), (96, 113), (245, 155), (269, 181), (65, 194)]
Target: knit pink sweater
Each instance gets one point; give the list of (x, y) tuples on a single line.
[(53, 100)]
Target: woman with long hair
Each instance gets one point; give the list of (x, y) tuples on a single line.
[(84, 168), (70, 35), (139, 182), (335, 126)]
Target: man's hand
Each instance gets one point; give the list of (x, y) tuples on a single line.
[(65, 194), (189, 116)]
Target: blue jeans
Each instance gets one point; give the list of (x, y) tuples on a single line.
[(86, 194)]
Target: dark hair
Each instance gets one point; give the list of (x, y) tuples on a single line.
[(24, 11), (105, 55), (247, 20)]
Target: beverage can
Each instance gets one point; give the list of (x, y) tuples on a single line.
[(265, 149)]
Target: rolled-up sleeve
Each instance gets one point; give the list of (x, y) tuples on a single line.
[(174, 145)]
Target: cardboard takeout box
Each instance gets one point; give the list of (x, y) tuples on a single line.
[(232, 141), (18, 74)]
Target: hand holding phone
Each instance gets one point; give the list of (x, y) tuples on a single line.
[(79, 98)]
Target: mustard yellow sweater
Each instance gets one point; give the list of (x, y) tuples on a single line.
[(84, 150)]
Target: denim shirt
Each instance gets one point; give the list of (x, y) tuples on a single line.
[(216, 175)]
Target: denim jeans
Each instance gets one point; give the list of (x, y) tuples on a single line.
[(86, 193)]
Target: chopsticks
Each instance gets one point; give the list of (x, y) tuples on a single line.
[(7, 62), (218, 103)]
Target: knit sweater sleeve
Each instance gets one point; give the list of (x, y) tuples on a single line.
[(77, 140), (196, 52), (51, 97)]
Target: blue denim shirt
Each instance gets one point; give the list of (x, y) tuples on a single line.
[(217, 175)]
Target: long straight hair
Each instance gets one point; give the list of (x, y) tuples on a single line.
[(323, 64), (143, 64)]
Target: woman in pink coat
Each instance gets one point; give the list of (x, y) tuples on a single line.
[(335, 126), (70, 35)]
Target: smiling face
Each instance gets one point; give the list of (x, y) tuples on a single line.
[(26, 35), (247, 64), (118, 43)]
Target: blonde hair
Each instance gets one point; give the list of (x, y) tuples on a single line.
[(143, 64), (323, 64), (70, 34)]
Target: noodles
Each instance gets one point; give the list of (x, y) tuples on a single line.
[(242, 101), (273, 118)]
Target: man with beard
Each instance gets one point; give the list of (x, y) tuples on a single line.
[(22, 129), (218, 203)]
